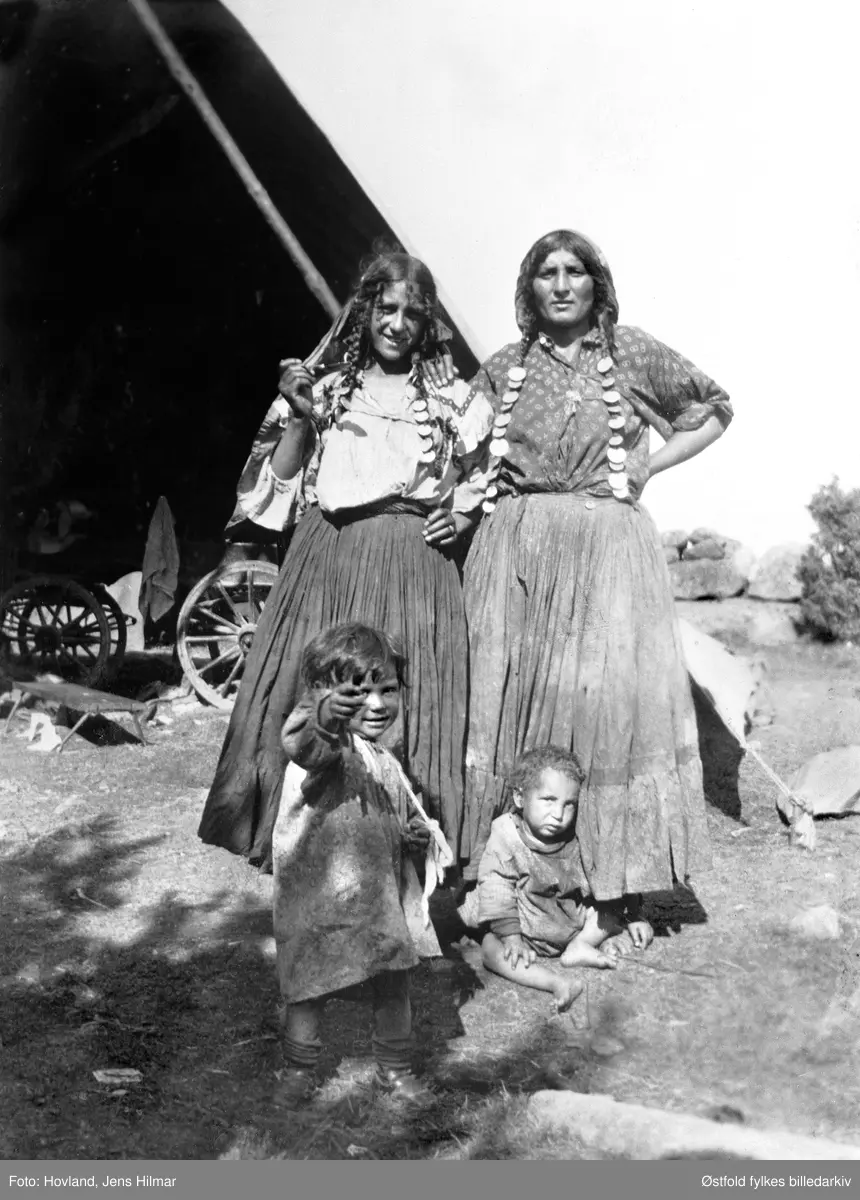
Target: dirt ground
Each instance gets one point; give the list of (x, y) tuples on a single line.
[(127, 943)]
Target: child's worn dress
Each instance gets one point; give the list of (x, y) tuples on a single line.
[(347, 903), (528, 887)]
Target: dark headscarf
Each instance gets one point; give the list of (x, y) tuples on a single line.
[(591, 257)]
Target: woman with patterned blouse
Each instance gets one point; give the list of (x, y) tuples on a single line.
[(573, 638), (381, 468)]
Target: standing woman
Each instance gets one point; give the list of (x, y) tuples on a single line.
[(382, 470), (573, 638)]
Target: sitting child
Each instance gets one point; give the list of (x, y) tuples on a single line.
[(530, 885), (346, 897)]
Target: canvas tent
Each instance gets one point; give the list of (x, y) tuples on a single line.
[(145, 303)]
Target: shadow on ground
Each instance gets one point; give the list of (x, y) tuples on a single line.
[(190, 1003)]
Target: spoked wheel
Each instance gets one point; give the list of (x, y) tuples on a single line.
[(55, 625), (216, 627)]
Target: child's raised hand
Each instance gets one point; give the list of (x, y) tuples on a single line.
[(516, 950), (342, 704)]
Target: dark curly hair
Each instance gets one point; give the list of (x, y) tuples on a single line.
[(343, 653), (528, 768), (385, 268), (605, 300)]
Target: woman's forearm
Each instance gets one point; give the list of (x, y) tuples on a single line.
[(685, 445), (289, 452)]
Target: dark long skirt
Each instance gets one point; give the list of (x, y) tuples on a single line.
[(574, 641), (378, 570)]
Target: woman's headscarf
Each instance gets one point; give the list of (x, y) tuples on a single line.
[(594, 261)]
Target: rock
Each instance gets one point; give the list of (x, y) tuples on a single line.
[(675, 537), (828, 783), (614, 1129), (672, 553), (775, 574), (703, 534), (821, 923), (707, 548), (126, 592), (773, 627), (699, 578)]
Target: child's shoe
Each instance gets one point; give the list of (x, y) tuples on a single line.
[(295, 1086), (404, 1085)]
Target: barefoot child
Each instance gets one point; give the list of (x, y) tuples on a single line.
[(530, 880), (346, 896)]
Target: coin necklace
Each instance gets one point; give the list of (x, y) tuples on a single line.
[(499, 445), (616, 452)]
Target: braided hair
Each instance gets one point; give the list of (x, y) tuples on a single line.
[(605, 300), (388, 267)]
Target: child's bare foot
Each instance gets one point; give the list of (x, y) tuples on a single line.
[(581, 954), (567, 991)]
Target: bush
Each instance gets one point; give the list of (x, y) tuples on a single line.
[(830, 569)]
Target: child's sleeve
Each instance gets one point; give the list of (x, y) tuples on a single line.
[(498, 880), (304, 739)]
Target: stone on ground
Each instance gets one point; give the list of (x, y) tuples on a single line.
[(828, 783), (633, 1131), (820, 923)]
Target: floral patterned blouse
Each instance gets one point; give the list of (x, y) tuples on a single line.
[(559, 433)]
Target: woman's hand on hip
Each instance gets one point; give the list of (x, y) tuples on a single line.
[(443, 527), (296, 386)]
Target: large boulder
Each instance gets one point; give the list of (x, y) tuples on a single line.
[(828, 783), (704, 534), (706, 548), (704, 578), (774, 576)]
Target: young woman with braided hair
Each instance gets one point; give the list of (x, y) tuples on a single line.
[(381, 470), (573, 638)]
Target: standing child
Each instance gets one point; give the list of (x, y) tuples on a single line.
[(530, 885), (347, 903)]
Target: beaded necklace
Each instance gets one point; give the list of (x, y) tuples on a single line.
[(616, 452)]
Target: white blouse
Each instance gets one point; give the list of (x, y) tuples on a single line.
[(371, 453)]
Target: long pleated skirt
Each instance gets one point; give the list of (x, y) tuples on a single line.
[(574, 642), (377, 570)]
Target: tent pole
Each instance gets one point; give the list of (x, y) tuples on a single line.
[(258, 193)]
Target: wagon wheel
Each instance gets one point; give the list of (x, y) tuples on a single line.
[(57, 626), (216, 627), (118, 626)]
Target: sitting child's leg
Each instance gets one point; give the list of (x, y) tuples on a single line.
[(393, 1043), (602, 921), (531, 973)]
